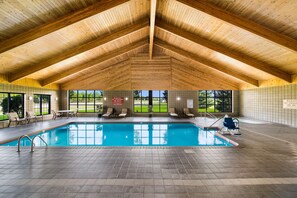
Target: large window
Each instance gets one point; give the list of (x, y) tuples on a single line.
[(160, 101), (86, 101), (215, 101), (42, 104), (156, 98), (11, 102)]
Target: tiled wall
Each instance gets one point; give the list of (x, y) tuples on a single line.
[(267, 104), (30, 91)]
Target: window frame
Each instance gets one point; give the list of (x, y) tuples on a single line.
[(84, 100), (214, 98), (160, 97), (9, 104), (150, 98), (41, 96)]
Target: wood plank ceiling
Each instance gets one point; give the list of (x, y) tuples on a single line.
[(148, 44)]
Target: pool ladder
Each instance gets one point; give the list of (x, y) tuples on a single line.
[(31, 140)]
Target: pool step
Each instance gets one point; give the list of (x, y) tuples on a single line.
[(211, 128)]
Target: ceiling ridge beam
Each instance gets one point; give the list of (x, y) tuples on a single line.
[(152, 27), (224, 50), (57, 24), (243, 23), (103, 39), (94, 62), (206, 62)]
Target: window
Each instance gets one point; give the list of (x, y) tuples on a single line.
[(215, 101), (160, 101), (157, 98), (11, 102), (86, 101), (141, 101), (42, 104)]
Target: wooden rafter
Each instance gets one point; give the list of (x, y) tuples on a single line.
[(243, 23), (94, 62), (92, 75), (77, 50), (224, 50), (55, 25), (206, 62), (152, 27)]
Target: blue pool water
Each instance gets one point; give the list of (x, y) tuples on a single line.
[(127, 134)]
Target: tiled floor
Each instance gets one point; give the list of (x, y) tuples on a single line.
[(264, 165)]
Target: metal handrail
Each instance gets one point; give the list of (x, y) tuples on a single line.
[(210, 115), (19, 141), (215, 122), (205, 114), (32, 144)]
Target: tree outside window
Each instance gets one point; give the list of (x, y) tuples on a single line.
[(42, 104), (158, 99), (11, 102), (215, 101)]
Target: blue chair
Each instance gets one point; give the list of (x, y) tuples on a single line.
[(232, 124)]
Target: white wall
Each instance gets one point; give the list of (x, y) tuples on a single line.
[(267, 104)]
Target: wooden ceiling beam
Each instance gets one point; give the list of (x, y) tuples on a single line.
[(59, 23), (77, 82), (243, 23), (98, 71), (78, 50), (206, 62), (224, 50), (94, 62), (152, 27)]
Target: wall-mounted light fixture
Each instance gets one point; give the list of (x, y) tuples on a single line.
[(126, 98), (57, 98), (104, 98), (178, 98), (30, 97)]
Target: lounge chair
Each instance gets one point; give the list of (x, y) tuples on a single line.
[(56, 115), (30, 115), (14, 117), (124, 113), (108, 113), (187, 113), (172, 112), (231, 125), (74, 113)]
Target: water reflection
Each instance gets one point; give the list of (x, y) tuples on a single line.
[(142, 134)]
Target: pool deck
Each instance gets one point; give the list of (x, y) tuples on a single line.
[(264, 165)]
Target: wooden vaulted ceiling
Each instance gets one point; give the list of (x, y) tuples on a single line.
[(148, 44)]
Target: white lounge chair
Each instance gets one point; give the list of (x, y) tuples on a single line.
[(74, 113), (172, 112), (30, 115), (14, 117), (56, 115), (108, 113), (187, 113), (124, 113)]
